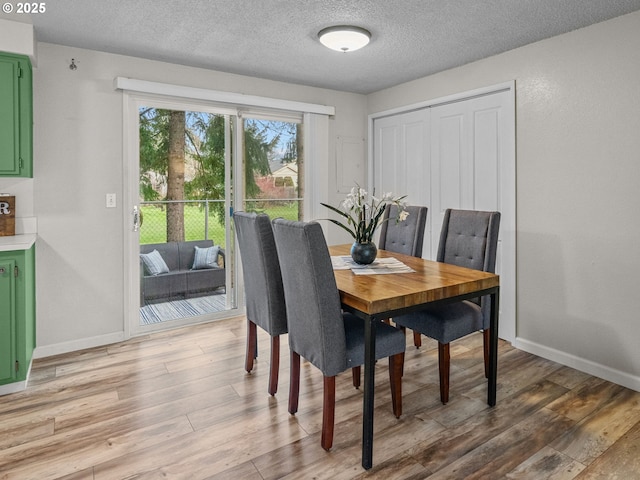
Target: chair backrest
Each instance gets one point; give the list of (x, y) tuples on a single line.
[(264, 293), (403, 237), (316, 327), (469, 238)]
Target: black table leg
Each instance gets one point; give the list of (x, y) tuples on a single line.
[(493, 348), (369, 380)]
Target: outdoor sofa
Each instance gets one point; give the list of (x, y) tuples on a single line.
[(179, 270)]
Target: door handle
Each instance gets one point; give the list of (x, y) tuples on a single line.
[(136, 218)]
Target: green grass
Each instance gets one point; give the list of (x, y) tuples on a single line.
[(154, 225)]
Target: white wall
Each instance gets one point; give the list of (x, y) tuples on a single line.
[(78, 148), (578, 195)]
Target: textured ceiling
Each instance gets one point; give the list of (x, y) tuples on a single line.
[(277, 39)]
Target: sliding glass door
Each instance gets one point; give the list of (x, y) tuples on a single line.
[(184, 158), (193, 166)]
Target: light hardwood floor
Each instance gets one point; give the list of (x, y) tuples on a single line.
[(178, 404)]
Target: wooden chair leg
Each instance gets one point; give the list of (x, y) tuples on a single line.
[(294, 382), (444, 361), (395, 379), (252, 341), (485, 337), (404, 330), (355, 373), (275, 364), (328, 412), (417, 339)]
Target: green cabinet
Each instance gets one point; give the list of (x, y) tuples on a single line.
[(16, 116), (17, 314)]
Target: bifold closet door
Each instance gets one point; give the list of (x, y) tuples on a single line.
[(466, 153), (401, 159), (459, 154)]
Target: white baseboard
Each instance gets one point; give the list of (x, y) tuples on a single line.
[(17, 386), (80, 344), (584, 365), (13, 387)]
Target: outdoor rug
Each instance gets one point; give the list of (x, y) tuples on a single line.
[(177, 309)]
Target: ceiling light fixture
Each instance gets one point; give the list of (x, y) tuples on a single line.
[(344, 38)]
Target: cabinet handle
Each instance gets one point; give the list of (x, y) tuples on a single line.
[(2, 270)]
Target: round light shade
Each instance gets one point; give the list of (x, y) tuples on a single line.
[(344, 38)]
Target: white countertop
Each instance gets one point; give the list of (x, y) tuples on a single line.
[(17, 242)]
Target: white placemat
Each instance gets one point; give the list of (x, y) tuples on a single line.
[(380, 266)]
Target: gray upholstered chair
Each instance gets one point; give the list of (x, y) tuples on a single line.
[(468, 239), (404, 237), (263, 288), (319, 331)]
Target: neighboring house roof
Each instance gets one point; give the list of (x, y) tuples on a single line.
[(288, 170)]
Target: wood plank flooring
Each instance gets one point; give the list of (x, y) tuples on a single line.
[(178, 404)]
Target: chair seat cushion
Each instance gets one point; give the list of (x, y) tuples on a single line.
[(389, 340), (444, 323)]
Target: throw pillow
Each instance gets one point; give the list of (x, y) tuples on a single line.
[(205, 257), (153, 263)]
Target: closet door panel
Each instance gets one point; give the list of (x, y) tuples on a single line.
[(401, 159), (449, 154), (416, 152), (486, 165), (389, 165), (459, 154)]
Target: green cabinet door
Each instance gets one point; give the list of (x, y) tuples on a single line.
[(7, 322), (17, 314), (16, 116)]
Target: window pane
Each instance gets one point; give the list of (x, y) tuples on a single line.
[(273, 168)]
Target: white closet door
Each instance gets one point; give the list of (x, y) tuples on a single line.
[(451, 163), (473, 168), (461, 155), (401, 158), (466, 151)]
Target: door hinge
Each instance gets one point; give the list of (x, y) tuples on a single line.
[(19, 72), (20, 163), (15, 271), (17, 366)]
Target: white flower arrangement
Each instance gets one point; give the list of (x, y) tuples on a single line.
[(363, 212)]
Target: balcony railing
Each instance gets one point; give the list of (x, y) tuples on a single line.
[(203, 219)]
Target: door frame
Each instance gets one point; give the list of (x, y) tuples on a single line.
[(315, 117), (507, 190), (131, 188)]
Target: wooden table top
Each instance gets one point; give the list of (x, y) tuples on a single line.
[(431, 281)]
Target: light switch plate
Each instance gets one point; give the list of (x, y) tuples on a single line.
[(111, 200)]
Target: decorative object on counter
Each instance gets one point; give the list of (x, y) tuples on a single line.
[(7, 215), (363, 214)]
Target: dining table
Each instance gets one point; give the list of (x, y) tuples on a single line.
[(374, 297)]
